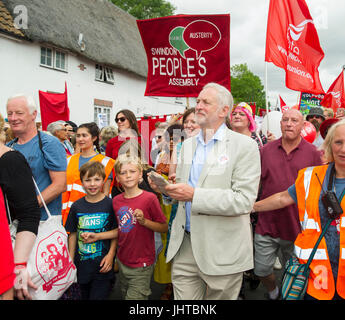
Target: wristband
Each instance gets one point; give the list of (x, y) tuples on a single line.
[(24, 264)]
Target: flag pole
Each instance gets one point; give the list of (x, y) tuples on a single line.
[(267, 111)]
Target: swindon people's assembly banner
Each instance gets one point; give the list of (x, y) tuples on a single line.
[(185, 52)]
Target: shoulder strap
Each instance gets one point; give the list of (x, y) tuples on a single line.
[(43, 202), (11, 143), (40, 143), (8, 209), (318, 242)]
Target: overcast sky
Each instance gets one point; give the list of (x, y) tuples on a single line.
[(248, 22)]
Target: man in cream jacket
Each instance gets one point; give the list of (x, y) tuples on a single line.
[(217, 183)]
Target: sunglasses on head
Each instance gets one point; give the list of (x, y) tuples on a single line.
[(121, 119)]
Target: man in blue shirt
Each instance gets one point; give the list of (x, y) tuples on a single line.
[(44, 153), (217, 183)]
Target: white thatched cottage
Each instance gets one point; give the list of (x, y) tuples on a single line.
[(92, 45)]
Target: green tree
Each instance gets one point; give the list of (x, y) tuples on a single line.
[(146, 9), (246, 86)]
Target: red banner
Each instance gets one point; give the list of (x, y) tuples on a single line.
[(292, 43), (335, 96), (185, 52), (54, 107)]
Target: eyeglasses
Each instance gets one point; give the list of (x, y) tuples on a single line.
[(121, 119)]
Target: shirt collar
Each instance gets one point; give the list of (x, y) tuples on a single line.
[(218, 136), (280, 145)]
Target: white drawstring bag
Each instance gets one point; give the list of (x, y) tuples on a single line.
[(50, 265)]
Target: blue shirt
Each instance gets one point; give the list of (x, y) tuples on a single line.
[(54, 159), (198, 162)]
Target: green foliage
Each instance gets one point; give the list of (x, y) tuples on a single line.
[(246, 86), (146, 9)]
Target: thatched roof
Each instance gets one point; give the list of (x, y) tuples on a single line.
[(110, 34), (7, 23)]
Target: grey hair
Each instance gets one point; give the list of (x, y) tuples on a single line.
[(29, 100), (224, 95), (55, 126)]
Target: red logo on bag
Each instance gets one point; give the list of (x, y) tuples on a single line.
[(53, 262)]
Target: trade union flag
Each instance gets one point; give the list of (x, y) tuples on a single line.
[(335, 96), (292, 43)]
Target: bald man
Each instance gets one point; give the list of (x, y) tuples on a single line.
[(280, 162)]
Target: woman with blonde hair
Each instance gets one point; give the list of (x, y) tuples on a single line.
[(327, 270)]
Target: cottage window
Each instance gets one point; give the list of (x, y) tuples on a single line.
[(99, 72), (53, 58), (46, 57), (178, 100), (60, 60), (104, 73), (109, 76), (102, 116)]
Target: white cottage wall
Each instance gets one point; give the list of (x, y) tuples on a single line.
[(21, 73)]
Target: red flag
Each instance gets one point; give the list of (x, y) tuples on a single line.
[(54, 106), (292, 44), (335, 96), (282, 102), (185, 52), (253, 106), (283, 106)]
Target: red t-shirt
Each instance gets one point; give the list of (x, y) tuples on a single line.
[(7, 275), (136, 244)]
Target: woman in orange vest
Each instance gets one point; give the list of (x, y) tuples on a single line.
[(87, 138), (327, 270)]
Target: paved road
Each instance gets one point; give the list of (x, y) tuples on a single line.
[(157, 289)]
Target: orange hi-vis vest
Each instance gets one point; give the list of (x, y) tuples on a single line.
[(75, 190), (321, 284)]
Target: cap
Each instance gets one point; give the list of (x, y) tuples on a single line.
[(325, 125)]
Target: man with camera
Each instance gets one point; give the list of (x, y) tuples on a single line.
[(277, 229)]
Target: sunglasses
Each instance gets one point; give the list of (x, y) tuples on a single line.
[(316, 117), (121, 119), (158, 137)]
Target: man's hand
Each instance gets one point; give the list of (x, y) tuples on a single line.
[(180, 191), (270, 136)]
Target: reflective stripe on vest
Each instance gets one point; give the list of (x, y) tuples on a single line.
[(306, 181), (75, 190), (321, 283)]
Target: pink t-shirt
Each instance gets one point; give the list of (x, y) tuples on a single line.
[(136, 244)]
